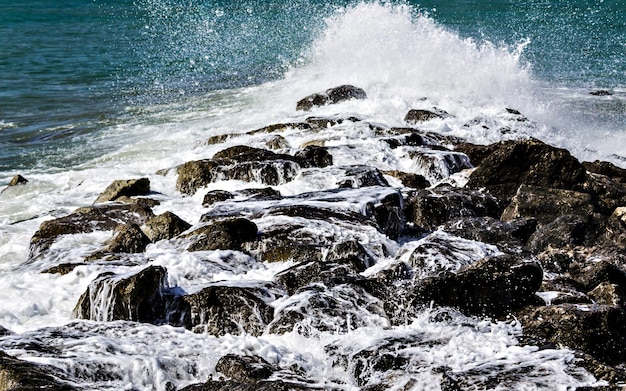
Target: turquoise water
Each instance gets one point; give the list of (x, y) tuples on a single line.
[(71, 69)]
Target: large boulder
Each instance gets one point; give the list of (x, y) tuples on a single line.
[(493, 286), (128, 188), (598, 330), (244, 368), (164, 226), (530, 162), (565, 232), (128, 239), (314, 156), (137, 297), (546, 205), (507, 235), (228, 234), (430, 208), (88, 219), (331, 96), (223, 308)]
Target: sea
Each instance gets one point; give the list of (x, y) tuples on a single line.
[(97, 90)]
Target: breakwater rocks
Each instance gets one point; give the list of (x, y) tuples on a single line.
[(516, 231)]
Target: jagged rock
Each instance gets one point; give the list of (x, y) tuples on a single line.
[(20, 375), (353, 253), (556, 260), (437, 164), (244, 368), (196, 174), (492, 286), (84, 220), (128, 239), (128, 188), (607, 294), (615, 230), (314, 156), (337, 308), (309, 272), (388, 355), (62, 269), (231, 385), (529, 162), (431, 208), (388, 214), (362, 176), (415, 181), (164, 226), (561, 290), (221, 309), (598, 330), (4, 331), (476, 153), (331, 96), (608, 194), (607, 169), (564, 232), (591, 274), (546, 205), (418, 115), (149, 202), (227, 234), (510, 236), (286, 242), (138, 297), (214, 196), (281, 127)]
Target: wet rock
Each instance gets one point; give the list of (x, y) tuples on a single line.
[(277, 142), (615, 230), (221, 309), (608, 194), (128, 188), (309, 272), (128, 239), (608, 294), (287, 242), (196, 174), (607, 169), (546, 205), (20, 375), (493, 286), (508, 236), (18, 180), (600, 93), (338, 308), (562, 290), (164, 226), (387, 213), (411, 180), (265, 193), (331, 96), (138, 297), (362, 176), (564, 232), (476, 153), (437, 164), (214, 196), (593, 273), (62, 269), (314, 156), (598, 330), (84, 220), (529, 162), (418, 115), (351, 252), (244, 368), (227, 234), (431, 208), (4, 331), (231, 385), (282, 127)]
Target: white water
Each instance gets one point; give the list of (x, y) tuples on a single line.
[(399, 59)]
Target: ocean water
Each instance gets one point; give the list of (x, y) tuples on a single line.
[(94, 91)]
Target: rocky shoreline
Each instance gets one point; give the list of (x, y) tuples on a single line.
[(513, 231)]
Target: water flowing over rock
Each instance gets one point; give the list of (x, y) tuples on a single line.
[(20, 375), (138, 297), (128, 188), (227, 234), (331, 96)]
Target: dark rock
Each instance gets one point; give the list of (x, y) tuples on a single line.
[(476, 153), (607, 294), (231, 385), (591, 274), (281, 127), (362, 176), (4, 332), (598, 330), (165, 226), (317, 213), (128, 188), (510, 236), (227, 234), (331, 96), (314, 156), (337, 308), (196, 174), (433, 207), (529, 162), (564, 232), (143, 201), (546, 205), (493, 286), (408, 179), (555, 260), (418, 115), (388, 214), (607, 169), (221, 309), (287, 242), (600, 93), (20, 375), (214, 196), (244, 368), (438, 163), (615, 230), (307, 273), (601, 372), (353, 253), (62, 269), (84, 220), (277, 142), (128, 239), (265, 193), (273, 172), (561, 290), (608, 194), (137, 298)]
